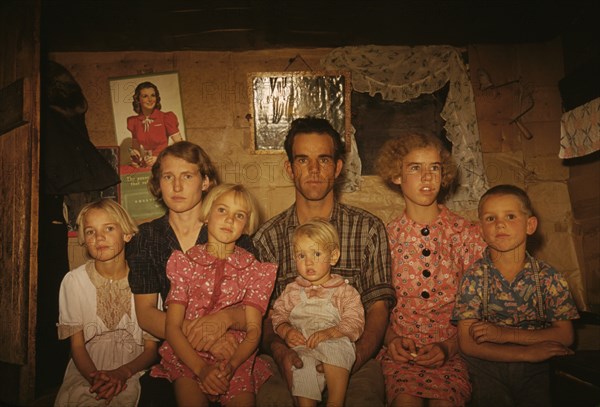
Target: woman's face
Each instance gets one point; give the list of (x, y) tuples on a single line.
[(147, 100), (181, 184)]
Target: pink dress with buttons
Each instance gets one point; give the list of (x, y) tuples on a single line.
[(204, 285), (428, 262)]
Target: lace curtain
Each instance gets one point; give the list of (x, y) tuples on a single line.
[(403, 73)]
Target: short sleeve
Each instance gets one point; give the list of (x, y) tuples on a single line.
[(144, 266), (260, 286), (131, 125), (559, 303), (179, 271), (171, 123), (468, 297), (71, 314)]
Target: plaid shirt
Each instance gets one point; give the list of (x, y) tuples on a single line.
[(149, 250), (365, 258)]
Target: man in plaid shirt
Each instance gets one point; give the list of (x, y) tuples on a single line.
[(315, 159)]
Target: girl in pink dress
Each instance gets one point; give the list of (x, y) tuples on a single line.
[(204, 280), (431, 247)]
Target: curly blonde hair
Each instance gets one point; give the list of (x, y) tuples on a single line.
[(392, 153)]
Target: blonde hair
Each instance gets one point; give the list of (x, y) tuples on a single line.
[(114, 210), (321, 232), (391, 157), (240, 193)]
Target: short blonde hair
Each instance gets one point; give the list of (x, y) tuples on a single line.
[(392, 153), (114, 210), (240, 193), (321, 232)]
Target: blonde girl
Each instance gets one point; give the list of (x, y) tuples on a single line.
[(96, 311), (204, 280)]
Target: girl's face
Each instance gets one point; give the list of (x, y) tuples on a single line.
[(314, 261), (181, 184), (103, 236), (227, 220), (147, 100), (421, 177)]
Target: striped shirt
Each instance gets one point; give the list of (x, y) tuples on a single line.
[(364, 261)]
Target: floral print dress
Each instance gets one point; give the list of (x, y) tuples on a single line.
[(428, 262)]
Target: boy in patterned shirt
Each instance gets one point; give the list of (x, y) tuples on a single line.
[(514, 312)]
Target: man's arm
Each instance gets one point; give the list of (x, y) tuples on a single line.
[(495, 352), (368, 344)]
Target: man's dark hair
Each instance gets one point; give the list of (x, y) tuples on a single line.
[(317, 125)]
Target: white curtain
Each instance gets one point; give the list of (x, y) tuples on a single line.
[(403, 73)]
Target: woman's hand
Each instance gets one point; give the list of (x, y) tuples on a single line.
[(203, 332), (432, 355), (402, 349)]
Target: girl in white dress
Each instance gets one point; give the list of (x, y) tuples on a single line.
[(108, 348)]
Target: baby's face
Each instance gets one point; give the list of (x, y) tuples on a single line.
[(313, 260)]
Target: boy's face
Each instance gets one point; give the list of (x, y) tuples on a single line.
[(314, 261), (421, 177), (505, 224)]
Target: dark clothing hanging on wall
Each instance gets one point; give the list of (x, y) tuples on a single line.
[(69, 163)]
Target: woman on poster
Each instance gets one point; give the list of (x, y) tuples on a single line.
[(151, 128)]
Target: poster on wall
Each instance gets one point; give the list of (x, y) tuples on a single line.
[(278, 98), (74, 202), (148, 117)]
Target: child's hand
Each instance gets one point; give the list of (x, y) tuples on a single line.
[(294, 337), (226, 369), (432, 355), (542, 351), (321, 336), (109, 383), (482, 331), (402, 349), (213, 381)]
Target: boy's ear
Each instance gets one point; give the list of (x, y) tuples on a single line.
[(532, 224), (334, 257), (127, 237)]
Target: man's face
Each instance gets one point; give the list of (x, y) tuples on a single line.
[(313, 169)]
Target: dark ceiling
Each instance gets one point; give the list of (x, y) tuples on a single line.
[(235, 25)]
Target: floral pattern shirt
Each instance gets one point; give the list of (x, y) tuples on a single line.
[(515, 303)]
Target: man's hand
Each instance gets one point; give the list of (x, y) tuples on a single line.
[(432, 355), (402, 349), (285, 359), (542, 351), (482, 331), (203, 332), (294, 337)]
